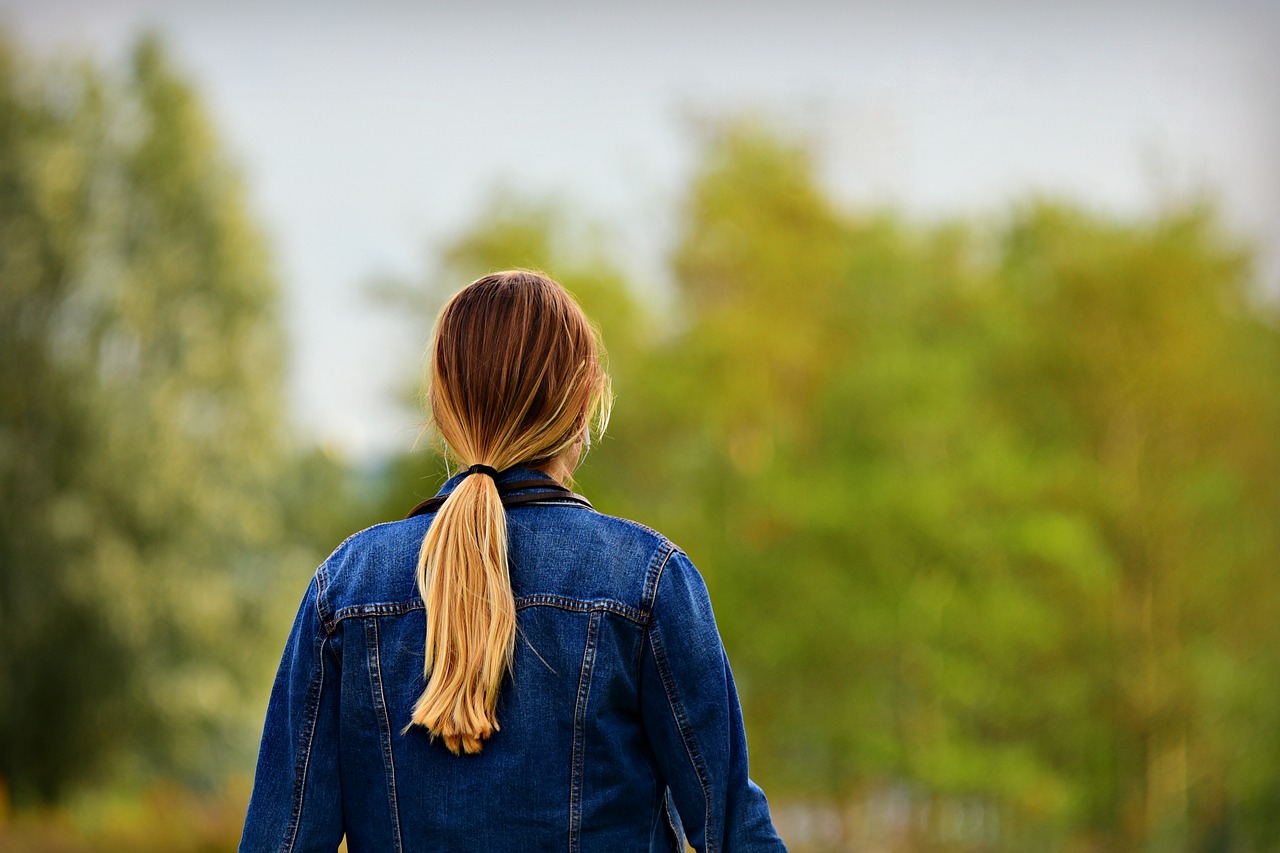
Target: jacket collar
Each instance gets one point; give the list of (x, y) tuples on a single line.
[(516, 485), (514, 474)]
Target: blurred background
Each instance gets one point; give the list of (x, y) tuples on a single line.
[(945, 337)]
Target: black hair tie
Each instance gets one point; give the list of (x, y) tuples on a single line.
[(487, 470)]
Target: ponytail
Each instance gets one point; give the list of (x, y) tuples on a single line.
[(471, 615), (516, 378)]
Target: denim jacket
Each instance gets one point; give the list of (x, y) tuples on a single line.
[(620, 728)]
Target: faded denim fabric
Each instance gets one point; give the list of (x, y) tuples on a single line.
[(620, 724)]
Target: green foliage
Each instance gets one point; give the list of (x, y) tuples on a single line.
[(164, 819), (140, 433), (987, 510)]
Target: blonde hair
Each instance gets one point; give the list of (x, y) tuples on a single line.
[(516, 377)]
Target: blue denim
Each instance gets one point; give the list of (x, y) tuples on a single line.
[(620, 724)]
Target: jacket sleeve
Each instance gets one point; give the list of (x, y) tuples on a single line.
[(296, 803), (694, 721)]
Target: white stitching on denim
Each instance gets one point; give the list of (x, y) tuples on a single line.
[(322, 591), (649, 594), (386, 608), (300, 780), (522, 602), (580, 605), (646, 605), (384, 728), (579, 735)]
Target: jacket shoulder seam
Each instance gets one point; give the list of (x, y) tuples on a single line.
[(630, 522), (323, 608), (653, 577)]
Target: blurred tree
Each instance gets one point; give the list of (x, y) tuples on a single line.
[(1144, 352), (951, 502), (987, 511), (140, 386)]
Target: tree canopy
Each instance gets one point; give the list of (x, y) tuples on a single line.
[(987, 507), (140, 428)]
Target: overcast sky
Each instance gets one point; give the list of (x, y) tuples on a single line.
[(370, 132)]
